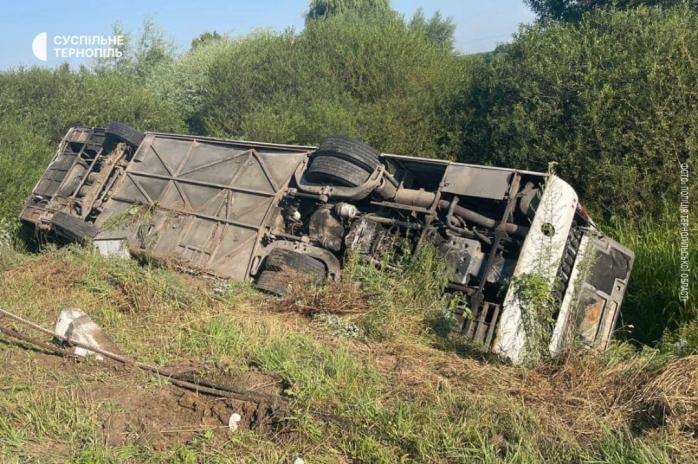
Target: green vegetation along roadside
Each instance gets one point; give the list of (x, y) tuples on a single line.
[(611, 97), (407, 394)]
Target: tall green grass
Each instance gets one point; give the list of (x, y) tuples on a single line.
[(651, 306), (404, 300)]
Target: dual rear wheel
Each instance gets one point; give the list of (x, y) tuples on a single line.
[(338, 161), (342, 161)]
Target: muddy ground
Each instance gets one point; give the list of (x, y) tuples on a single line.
[(135, 405)]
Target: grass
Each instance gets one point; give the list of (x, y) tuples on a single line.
[(400, 393), (651, 307), (404, 392), (401, 301)]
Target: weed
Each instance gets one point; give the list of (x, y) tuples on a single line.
[(403, 301), (651, 306), (320, 373), (536, 303)]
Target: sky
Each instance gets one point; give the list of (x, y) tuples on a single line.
[(480, 25)]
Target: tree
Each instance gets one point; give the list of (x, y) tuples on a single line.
[(153, 49), (325, 8), (612, 99), (205, 38), (437, 29), (370, 78), (149, 52), (573, 10)]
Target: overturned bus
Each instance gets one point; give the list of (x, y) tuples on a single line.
[(257, 211)]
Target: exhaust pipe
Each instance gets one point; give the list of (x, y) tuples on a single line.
[(424, 199)]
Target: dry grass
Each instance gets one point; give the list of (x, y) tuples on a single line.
[(672, 398), (404, 397), (305, 297), (581, 397)]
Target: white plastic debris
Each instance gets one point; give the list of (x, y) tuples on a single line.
[(299, 461), (234, 421), (112, 248), (75, 325)]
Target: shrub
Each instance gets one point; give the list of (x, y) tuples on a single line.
[(23, 157), (612, 99), (37, 106), (51, 101), (373, 78), (184, 82), (574, 10)]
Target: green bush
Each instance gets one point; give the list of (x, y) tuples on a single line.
[(37, 106), (612, 99), (52, 101), (651, 306), (184, 82), (374, 78), (23, 157)]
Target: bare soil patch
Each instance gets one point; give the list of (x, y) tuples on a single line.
[(134, 406), (166, 416)]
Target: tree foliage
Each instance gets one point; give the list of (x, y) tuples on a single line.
[(437, 29), (574, 10), (319, 9), (205, 38), (184, 82), (613, 100), (147, 54), (373, 78)]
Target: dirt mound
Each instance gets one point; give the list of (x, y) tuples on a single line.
[(165, 416)]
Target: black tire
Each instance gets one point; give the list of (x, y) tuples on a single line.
[(351, 150), (72, 227), (272, 282), (336, 171), (123, 133), (281, 260)]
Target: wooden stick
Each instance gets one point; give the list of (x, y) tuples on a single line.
[(33, 341), (190, 383)]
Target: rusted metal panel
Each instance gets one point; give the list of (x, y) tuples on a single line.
[(602, 291), (210, 199), (589, 313), (479, 182)]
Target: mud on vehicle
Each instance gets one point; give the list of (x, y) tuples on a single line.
[(259, 211)]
